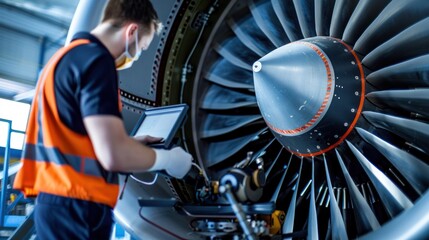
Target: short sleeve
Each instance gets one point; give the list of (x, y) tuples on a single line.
[(99, 88)]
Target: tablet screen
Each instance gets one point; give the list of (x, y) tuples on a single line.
[(161, 122), (158, 124)]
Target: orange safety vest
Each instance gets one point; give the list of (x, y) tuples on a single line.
[(57, 160)]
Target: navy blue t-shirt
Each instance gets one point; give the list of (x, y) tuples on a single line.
[(86, 83)]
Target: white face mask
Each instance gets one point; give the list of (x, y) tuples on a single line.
[(126, 60)]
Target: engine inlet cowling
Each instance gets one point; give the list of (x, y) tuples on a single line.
[(310, 93)]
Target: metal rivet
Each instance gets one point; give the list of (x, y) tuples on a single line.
[(257, 66)]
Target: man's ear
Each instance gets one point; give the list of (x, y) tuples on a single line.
[(131, 30)]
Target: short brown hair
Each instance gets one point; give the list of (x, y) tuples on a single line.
[(139, 11)]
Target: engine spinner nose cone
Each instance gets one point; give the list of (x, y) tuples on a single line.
[(310, 93), (295, 87)]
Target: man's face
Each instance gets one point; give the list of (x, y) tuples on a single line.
[(134, 48), (145, 39)]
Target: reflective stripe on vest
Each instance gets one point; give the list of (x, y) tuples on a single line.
[(88, 166)]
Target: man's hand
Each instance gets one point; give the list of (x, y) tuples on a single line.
[(176, 162), (145, 139)]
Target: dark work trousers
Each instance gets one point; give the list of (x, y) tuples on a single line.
[(58, 218)]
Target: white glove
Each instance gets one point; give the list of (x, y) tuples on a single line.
[(176, 162)]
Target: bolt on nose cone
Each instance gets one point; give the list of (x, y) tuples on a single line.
[(257, 66)]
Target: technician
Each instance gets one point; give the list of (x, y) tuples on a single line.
[(76, 140)]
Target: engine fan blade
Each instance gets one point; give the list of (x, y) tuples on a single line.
[(363, 15), (412, 168), (219, 151), (323, 14), (312, 232), (337, 224), (305, 13), (236, 53), (270, 168), (225, 74), (409, 74), (412, 224), (217, 125), (267, 147), (366, 220), (323, 197), (251, 35), (276, 193), (413, 131), (410, 43), (413, 100), (290, 215), (220, 98), (392, 20), (343, 9), (271, 28), (288, 18), (393, 198)]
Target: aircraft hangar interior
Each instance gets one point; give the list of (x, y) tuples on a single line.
[(305, 119)]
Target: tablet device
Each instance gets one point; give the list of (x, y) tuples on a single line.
[(161, 122)]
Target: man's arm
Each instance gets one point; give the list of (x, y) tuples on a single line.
[(115, 150)]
